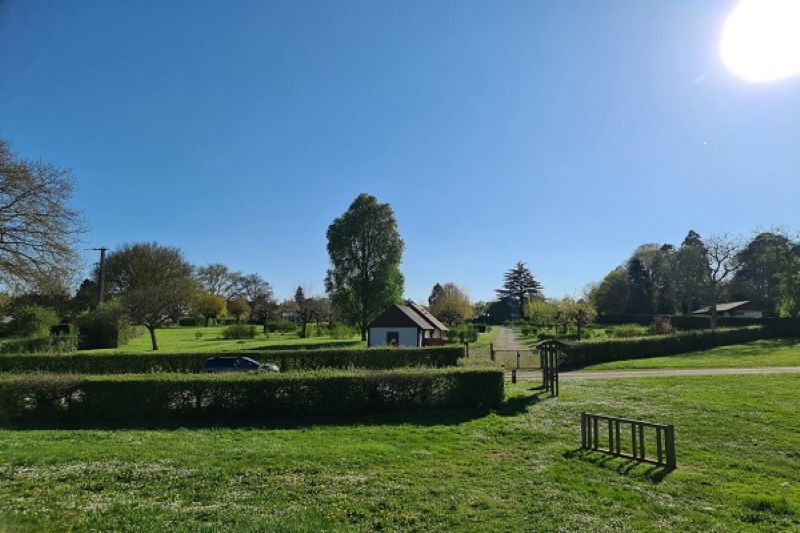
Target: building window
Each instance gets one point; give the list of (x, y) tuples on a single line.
[(392, 338)]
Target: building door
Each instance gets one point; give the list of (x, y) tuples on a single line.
[(392, 338)]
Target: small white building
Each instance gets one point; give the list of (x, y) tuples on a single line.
[(409, 326), (741, 309)]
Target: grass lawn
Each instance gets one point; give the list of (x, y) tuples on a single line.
[(781, 352), (484, 339), (183, 339), (518, 469)]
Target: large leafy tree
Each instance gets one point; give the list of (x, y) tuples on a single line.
[(519, 285), (641, 287), (452, 304), (154, 283), (611, 296), (762, 261), (216, 278), (38, 230), (365, 251), (210, 306)]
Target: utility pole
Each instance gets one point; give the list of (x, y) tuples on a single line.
[(101, 283)]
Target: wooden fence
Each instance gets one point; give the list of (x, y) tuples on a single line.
[(612, 439)]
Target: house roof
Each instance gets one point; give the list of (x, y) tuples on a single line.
[(435, 322), (400, 316), (721, 307)]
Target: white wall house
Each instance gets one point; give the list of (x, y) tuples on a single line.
[(743, 309), (405, 326)]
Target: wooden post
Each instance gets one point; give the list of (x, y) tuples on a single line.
[(491, 351), (517, 360), (466, 348), (513, 375), (583, 431), (669, 434)]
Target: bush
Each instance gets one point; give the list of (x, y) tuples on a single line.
[(683, 322), (239, 331), (624, 331), (105, 327), (58, 344), (280, 326), (341, 331), (190, 321), (120, 363), (89, 399), (662, 325), (33, 321), (578, 354)]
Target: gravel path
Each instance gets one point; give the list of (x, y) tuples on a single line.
[(617, 374), (506, 340)]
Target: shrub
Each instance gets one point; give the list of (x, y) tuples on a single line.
[(341, 331), (58, 344), (239, 331), (105, 327), (188, 321), (80, 398), (462, 333), (33, 321), (578, 354), (280, 326), (662, 325), (628, 330)]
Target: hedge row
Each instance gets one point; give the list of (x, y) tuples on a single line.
[(149, 397), (683, 322), (579, 354), (121, 363)]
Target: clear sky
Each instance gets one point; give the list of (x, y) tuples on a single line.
[(563, 134)]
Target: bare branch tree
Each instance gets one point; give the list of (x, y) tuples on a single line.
[(722, 253), (38, 231)]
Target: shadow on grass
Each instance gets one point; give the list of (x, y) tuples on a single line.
[(622, 465)]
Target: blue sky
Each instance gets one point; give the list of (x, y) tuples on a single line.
[(563, 134)]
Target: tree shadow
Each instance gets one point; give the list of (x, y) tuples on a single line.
[(423, 419), (621, 465)]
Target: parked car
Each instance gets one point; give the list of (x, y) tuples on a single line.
[(237, 364)]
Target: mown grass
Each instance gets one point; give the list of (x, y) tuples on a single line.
[(184, 339), (762, 353), (517, 469), (484, 339)]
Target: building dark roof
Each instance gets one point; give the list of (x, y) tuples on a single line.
[(399, 316), (722, 307), (427, 316)]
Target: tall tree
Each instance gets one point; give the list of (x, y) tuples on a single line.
[(307, 309), (436, 291), (693, 239), (154, 282), (38, 231), (722, 256), (210, 306), (365, 251), (762, 262), (256, 292), (452, 305), (641, 287), (519, 285), (216, 278), (611, 296)]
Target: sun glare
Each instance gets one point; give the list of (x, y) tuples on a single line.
[(761, 40)]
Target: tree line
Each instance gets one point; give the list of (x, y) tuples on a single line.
[(669, 279)]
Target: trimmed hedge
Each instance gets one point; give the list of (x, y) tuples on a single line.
[(578, 354), (120, 398), (121, 363), (683, 322)]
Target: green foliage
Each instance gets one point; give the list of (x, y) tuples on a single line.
[(341, 331), (105, 327), (210, 306), (624, 331), (580, 354), (519, 286), (181, 396), (281, 326), (662, 325), (33, 321), (612, 295), (238, 307), (239, 331), (290, 359), (451, 304), (57, 344), (365, 250), (462, 333)]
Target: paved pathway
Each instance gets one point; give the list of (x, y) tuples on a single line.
[(617, 374), (506, 340)]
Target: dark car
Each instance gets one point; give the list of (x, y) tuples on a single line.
[(237, 364)]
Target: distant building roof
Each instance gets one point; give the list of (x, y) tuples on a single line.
[(400, 316), (427, 316), (722, 307)]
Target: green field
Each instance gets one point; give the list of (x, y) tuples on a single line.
[(763, 353), (184, 339), (514, 470)]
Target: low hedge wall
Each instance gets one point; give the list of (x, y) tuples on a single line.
[(682, 322), (579, 354), (149, 397), (122, 363)]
